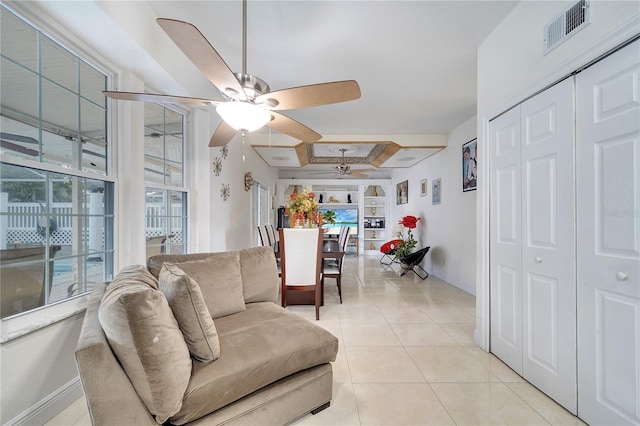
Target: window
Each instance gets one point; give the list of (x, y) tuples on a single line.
[(53, 109), (56, 200), (166, 199), (166, 221)]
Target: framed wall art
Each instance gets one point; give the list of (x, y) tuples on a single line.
[(469, 166), (402, 192), (436, 191), (424, 185)]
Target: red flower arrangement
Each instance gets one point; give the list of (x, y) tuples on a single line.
[(410, 222), (408, 243)]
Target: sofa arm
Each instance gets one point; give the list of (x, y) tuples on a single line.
[(110, 396)]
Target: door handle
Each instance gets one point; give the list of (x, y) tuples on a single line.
[(538, 259), (621, 276)]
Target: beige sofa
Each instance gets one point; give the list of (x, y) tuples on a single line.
[(272, 367)]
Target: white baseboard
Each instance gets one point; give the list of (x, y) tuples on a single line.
[(50, 406)]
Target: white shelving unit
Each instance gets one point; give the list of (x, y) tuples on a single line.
[(372, 205), (374, 225)]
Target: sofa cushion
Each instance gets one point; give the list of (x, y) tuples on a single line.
[(187, 303), (145, 337), (259, 274), (154, 263), (261, 345), (220, 281)]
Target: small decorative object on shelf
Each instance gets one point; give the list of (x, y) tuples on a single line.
[(333, 200), (373, 211), (349, 198), (375, 191), (408, 243), (373, 202), (372, 246), (320, 199), (225, 191)]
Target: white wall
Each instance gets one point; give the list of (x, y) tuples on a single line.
[(231, 219), (511, 67), (449, 227), (37, 368)]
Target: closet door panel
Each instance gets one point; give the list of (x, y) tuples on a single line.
[(549, 299), (506, 240), (608, 169)]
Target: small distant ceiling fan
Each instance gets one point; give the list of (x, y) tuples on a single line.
[(245, 96), (343, 169)]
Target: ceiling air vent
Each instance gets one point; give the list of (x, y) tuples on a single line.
[(564, 26)]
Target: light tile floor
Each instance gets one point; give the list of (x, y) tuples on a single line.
[(407, 357)]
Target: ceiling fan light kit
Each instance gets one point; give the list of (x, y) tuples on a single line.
[(249, 103), (243, 116)]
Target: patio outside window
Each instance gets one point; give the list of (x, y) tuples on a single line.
[(56, 198), (166, 197)]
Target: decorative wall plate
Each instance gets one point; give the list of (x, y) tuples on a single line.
[(217, 166), (248, 181), (225, 191)]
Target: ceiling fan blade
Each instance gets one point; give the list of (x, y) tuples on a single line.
[(291, 127), (323, 173), (199, 51), (365, 170), (313, 95), (149, 97), (356, 173), (223, 134)]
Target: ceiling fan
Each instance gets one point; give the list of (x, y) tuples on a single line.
[(343, 169), (246, 97)]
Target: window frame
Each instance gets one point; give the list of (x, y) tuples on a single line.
[(37, 318), (167, 187)]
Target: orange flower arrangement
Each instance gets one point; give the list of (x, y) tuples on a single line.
[(303, 209)]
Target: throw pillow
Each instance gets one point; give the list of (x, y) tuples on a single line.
[(187, 303), (146, 339), (220, 281), (260, 280)]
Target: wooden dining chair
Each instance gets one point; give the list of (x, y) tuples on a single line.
[(301, 263), (334, 270)]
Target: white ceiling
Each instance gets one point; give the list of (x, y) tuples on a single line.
[(415, 61)]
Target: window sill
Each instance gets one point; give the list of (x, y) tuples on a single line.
[(28, 322)]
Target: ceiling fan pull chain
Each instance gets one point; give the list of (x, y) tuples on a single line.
[(244, 36)]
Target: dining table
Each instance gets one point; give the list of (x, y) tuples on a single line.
[(330, 250)]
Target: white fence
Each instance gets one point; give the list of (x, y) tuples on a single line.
[(22, 220)]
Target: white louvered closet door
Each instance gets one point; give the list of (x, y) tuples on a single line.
[(608, 182)]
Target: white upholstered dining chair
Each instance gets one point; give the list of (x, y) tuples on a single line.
[(301, 263)]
